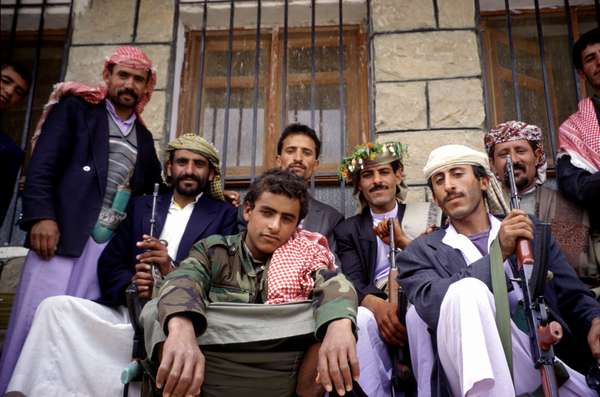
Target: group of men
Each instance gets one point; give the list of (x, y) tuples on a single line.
[(317, 315)]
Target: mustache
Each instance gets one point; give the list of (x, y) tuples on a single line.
[(378, 187), (128, 91), (297, 164), (519, 166), (452, 196)]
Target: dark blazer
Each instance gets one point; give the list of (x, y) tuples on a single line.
[(66, 178), (356, 247), (322, 218), (116, 265), (428, 267), (581, 187), (11, 157)]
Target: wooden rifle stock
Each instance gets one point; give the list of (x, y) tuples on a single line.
[(543, 334)]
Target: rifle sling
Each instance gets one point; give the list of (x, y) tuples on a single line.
[(500, 291)]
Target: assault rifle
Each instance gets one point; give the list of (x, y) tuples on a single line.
[(402, 376), (134, 370), (532, 274)]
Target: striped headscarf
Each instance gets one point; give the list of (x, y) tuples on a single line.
[(518, 131), (197, 144), (131, 57)]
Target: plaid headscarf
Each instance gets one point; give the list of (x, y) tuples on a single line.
[(197, 144), (579, 137), (130, 57), (518, 131), (289, 276), (450, 155)]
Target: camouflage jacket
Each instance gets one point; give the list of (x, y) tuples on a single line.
[(220, 269)]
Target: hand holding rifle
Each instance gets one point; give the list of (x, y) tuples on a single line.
[(516, 233)]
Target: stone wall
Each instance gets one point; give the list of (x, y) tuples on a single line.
[(427, 77), (100, 26)]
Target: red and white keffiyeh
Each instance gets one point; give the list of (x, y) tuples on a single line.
[(127, 56), (579, 137), (289, 275)]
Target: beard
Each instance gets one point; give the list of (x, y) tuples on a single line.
[(521, 182), (123, 102), (193, 191)]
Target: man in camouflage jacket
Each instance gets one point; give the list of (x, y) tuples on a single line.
[(234, 269)]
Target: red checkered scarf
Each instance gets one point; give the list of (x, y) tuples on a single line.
[(130, 57), (289, 277), (579, 136)]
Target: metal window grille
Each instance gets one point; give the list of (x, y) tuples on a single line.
[(526, 76)]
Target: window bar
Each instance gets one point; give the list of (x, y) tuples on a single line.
[(313, 74), (313, 66), (136, 20), (371, 99), (597, 7), (256, 91), (228, 89), (28, 111), (171, 73), (548, 99), (342, 101), (513, 61), (13, 29), (67, 46), (215, 114), (239, 129), (571, 42), (488, 117), (284, 67), (201, 63)]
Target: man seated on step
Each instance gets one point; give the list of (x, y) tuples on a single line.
[(210, 330)]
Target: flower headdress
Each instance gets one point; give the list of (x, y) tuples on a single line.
[(370, 154)]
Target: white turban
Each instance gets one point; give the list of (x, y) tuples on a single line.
[(450, 155)]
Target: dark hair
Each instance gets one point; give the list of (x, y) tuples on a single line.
[(21, 71), (586, 39), (299, 129), (478, 171), (278, 181)]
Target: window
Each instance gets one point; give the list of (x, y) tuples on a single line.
[(207, 109), (501, 97)]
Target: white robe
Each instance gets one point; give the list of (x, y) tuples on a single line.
[(76, 347)]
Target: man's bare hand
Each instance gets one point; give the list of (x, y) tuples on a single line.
[(338, 363), (515, 226), (181, 369), (143, 280), (593, 339), (382, 231), (232, 197), (390, 328), (155, 253), (44, 238)]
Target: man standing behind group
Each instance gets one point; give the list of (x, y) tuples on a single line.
[(578, 165), (376, 172), (92, 147), (298, 150), (13, 89)]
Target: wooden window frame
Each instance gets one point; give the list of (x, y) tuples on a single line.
[(357, 115)]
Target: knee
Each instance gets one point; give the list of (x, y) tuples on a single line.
[(364, 318), (468, 288)]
